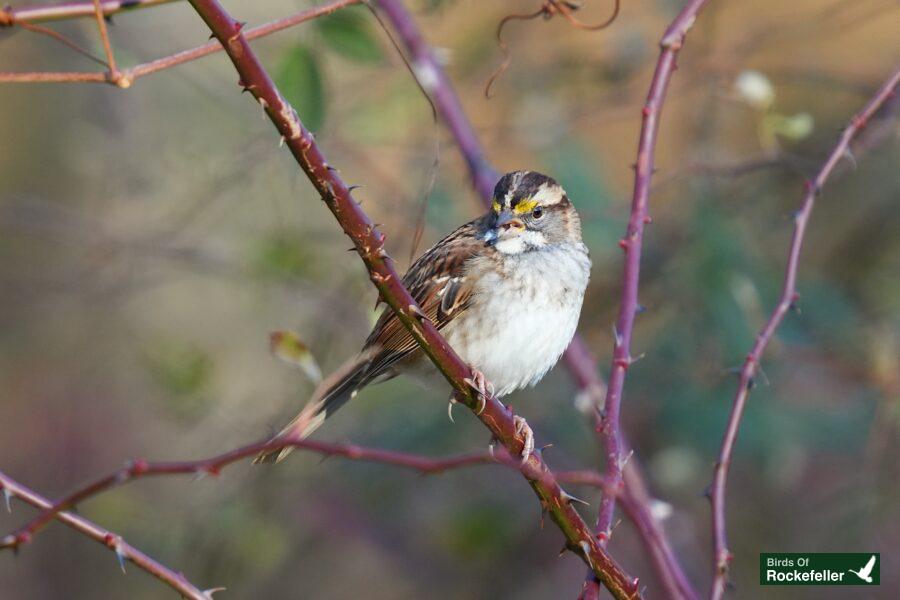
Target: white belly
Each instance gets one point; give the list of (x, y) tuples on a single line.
[(514, 333)]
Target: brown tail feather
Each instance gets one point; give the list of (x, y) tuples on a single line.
[(331, 394)]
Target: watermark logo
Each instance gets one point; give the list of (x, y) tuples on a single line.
[(812, 568)]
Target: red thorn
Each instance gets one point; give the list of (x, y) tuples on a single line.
[(23, 538), (645, 111), (623, 244), (109, 539), (622, 362), (214, 470), (648, 219)]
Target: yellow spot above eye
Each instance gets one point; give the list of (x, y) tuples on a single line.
[(525, 206), (495, 206)]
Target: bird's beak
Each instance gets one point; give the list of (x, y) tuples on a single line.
[(506, 225)]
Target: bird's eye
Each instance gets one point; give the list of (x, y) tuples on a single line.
[(537, 213)]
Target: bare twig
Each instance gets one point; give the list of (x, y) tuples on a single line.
[(123, 550), (548, 10), (64, 40), (789, 297), (137, 469), (10, 15), (113, 72), (127, 76)]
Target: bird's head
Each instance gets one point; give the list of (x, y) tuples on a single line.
[(530, 211)]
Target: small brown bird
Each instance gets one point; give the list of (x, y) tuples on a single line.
[(505, 290)]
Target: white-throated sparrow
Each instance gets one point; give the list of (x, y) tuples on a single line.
[(505, 290)]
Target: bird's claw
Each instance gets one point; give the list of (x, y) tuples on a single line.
[(477, 382), (523, 429), (450, 408)]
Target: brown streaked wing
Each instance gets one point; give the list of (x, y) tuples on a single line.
[(437, 281)]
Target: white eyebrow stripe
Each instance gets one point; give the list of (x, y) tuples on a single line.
[(548, 195)]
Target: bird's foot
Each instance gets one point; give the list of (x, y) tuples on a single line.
[(483, 388), (523, 429)]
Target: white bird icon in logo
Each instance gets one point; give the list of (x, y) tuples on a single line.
[(866, 572)]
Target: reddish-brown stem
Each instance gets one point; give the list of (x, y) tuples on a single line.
[(431, 76), (137, 469), (65, 41), (69, 10), (127, 76), (123, 550), (112, 72), (369, 243), (789, 297), (632, 245)]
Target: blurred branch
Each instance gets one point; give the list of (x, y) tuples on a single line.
[(113, 73), (789, 297), (127, 76), (10, 15), (431, 77), (671, 43), (123, 550)]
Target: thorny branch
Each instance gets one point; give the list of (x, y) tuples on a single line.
[(213, 466), (127, 76), (11, 488), (138, 469), (632, 244), (10, 15), (788, 301)]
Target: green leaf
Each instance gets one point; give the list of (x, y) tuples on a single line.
[(349, 33), (300, 80)]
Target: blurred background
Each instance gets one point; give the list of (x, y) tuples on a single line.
[(150, 239)]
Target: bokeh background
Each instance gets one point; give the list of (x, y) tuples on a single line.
[(150, 239)]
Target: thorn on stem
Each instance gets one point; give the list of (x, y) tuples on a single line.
[(617, 336), (6, 496), (570, 498), (415, 310)]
